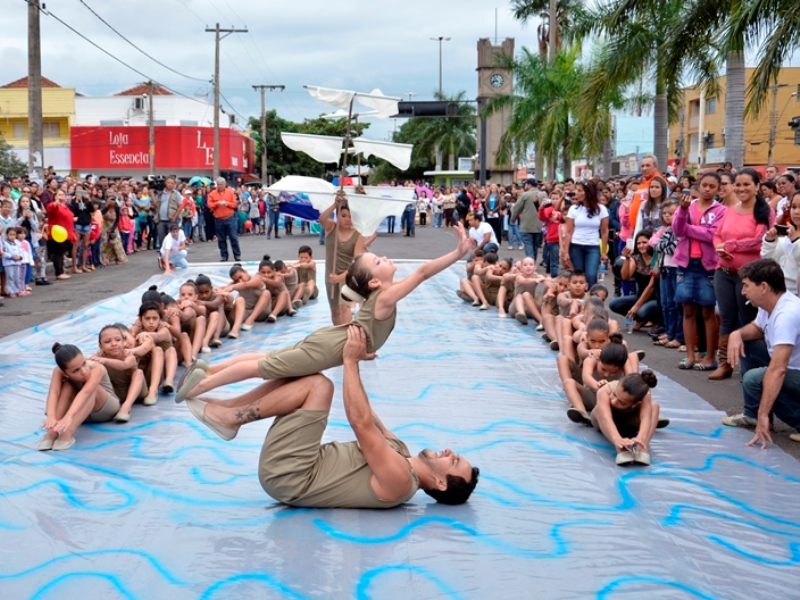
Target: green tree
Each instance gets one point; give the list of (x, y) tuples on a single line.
[(10, 164), (634, 36), (454, 136), (546, 110), (281, 160), (773, 26), (725, 45), (568, 12)]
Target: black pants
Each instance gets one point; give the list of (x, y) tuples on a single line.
[(57, 252)]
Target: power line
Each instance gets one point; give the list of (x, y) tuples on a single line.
[(155, 60), (233, 108), (106, 52)]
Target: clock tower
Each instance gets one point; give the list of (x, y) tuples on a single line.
[(493, 81)]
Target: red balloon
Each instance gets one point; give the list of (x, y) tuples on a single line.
[(248, 224)]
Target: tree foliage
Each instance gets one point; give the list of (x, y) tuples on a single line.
[(281, 160), (10, 164), (546, 109)]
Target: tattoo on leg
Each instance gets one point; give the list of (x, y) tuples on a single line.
[(249, 413)]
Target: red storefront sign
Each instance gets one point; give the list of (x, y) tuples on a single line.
[(176, 148)]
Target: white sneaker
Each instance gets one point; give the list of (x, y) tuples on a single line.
[(740, 420)]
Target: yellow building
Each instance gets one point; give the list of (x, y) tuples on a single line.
[(703, 128), (58, 115)]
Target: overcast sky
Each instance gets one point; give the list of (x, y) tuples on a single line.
[(353, 44)]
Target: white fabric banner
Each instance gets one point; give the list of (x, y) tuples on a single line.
[(385, 106), (386, 191), (322, 148), (320, 193), (340, 98), (367, 211), (397, 154)]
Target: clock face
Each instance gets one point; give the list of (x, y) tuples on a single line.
[(497, 80)]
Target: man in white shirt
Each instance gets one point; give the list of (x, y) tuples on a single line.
[(483, 234), (173, 250), (769, 348)]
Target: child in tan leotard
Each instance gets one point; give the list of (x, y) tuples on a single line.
[(257, 299), (160, 364), (126, 377), (370, 279), (307, 277), (80, 391)]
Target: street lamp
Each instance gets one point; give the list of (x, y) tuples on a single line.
[(410, 95), (440, 39)]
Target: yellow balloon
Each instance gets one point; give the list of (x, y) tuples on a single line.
[(58, 233)]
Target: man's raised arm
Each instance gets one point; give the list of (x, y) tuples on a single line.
[(391, 473)]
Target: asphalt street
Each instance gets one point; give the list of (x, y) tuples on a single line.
[(68, 296)]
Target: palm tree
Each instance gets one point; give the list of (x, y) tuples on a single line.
[(567, 12), (721, 43), (773, 26), (545, 110), (634, 35)]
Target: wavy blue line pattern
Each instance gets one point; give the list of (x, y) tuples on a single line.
[(162, 508)]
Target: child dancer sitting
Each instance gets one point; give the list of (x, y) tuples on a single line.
[(369, 280), (569, 305), (465, 291), (524, 304), (550, 309), (307, 276), (292, 282), (257, 299), (180, 339), (193, 320), (122, 366), (160, 364), (612, 364), (80, 392), (229, 309), (628, 417), (274, 282)]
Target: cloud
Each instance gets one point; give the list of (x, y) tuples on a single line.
[(355, 44)]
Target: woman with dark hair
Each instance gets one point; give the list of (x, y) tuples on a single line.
[(650, 213), (111, 249), (726, 197), (586, 228), (643, 307), (738, 241)]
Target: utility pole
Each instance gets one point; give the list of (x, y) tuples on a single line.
[(553, 29), (35, 140), (218, 38), (152, 126), (773, 123), (262, 89)]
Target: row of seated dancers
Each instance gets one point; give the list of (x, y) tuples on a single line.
[(140, 361), (136, 363), (600, 376)]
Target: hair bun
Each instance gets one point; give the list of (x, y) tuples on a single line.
[(350, 294), (649, 378), (266, 257), (153, 288), (615, 338), (56, 347)]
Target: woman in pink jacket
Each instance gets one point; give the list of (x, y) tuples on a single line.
[(696, 223)]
